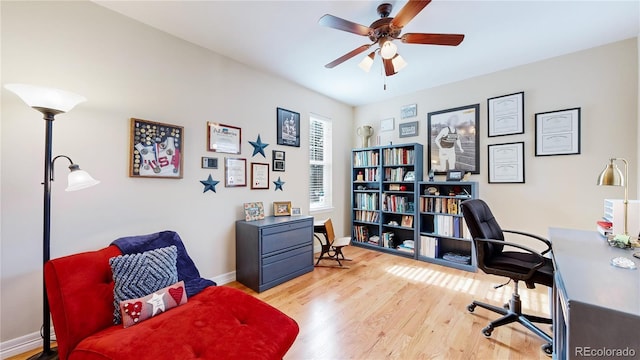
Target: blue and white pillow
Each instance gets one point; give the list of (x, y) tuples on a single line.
[(138, 275)]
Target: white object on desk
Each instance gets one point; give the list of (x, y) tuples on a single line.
[(614, 213)]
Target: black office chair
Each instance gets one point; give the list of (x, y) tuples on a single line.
[(525, 265)]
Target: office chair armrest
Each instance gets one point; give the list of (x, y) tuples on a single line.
[(523, 277), (545, 241)]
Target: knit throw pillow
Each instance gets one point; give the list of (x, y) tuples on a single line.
[(137, 275)]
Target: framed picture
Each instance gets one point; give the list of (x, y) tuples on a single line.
[(454, 175), (506, 114), (407, 221), (296, 211), (387, 124), (155, 150), (409, 111), (408, 129), (288, 127), (259, 176), (223, 138), (235, 172), (278, 160), (506, 163), (454, 140), (209, 163), (558, 132), (282, 208), (253, 211)]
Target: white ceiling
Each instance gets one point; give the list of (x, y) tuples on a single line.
[(284, 38)]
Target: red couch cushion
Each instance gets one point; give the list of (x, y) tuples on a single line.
[(217, 323)]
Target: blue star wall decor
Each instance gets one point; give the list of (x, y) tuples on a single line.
[(279, 184), (258, 147), (209, 184)]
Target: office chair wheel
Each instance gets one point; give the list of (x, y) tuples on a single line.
[(487, 331), (547, 348), (471, 307)]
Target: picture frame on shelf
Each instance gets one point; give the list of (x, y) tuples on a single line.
[(156, 150), (223, 138), (260, 176), (506, 163), (282, 208), (453, 137), (278, 160), (296, 211), (288, 123), (407, 221), (558, 132), (235, 172), (455, 175), (408, 129), (253, 211), (505, 115), (409, 111)]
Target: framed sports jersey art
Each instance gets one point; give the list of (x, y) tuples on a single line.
[(155, 150), (454, 140)]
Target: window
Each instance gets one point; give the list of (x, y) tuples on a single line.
[(320, 163)]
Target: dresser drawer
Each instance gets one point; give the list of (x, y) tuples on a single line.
[(302, 257), (287, 254), (278, 238)]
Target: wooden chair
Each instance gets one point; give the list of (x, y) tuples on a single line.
[(331, 247)]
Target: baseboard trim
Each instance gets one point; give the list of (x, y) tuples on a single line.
[(21, 344), (225, 278)]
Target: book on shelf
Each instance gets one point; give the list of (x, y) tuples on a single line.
[(405, 249), (441, 205), (366, 201), (366, 158), (450, 226), (374, 240), (367, 175), (387, 239), (394, 174), (399, 156), (428, 246), (360, 233), (395, 203), (366, 215)]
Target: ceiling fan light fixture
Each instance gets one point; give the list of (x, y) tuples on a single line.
[(367, 62), (388, 49), (398, 63)]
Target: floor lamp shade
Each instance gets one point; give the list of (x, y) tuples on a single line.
[(40, 97)]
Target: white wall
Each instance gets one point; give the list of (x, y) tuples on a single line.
[(560, 191), (126, 70)]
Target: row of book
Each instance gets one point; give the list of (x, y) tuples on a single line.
[(366, 201), (368, 216), (366, 158), (360, 233), (450, 226), (399, 156), (367, 175), (428, 246), (394, 174), (395, 203), (441, 205)]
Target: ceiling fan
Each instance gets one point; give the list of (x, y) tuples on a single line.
[(383, 32)]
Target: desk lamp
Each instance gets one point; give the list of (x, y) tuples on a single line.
[(51, 102)]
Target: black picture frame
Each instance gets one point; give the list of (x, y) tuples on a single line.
[(454, 175), (506, 163), (505, 115), (467, 129), (288, 127), (558, 132), (278, 160)]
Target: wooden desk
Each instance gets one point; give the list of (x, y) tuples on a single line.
[(596, 305)]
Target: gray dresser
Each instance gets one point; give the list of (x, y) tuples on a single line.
[(274, 250), (597, 306)]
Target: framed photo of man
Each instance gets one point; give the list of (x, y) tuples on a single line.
[(288, 127), (454, 140)]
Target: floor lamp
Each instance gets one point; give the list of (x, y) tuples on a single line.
[(51, 102)]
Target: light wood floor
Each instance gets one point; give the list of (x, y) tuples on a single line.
[(388, 307)]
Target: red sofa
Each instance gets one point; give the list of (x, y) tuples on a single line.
[(217, 323)]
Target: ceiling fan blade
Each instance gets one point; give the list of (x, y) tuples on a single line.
[(388, 67), (344, 25), (347, 56), (408, 12), (432, 39)]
